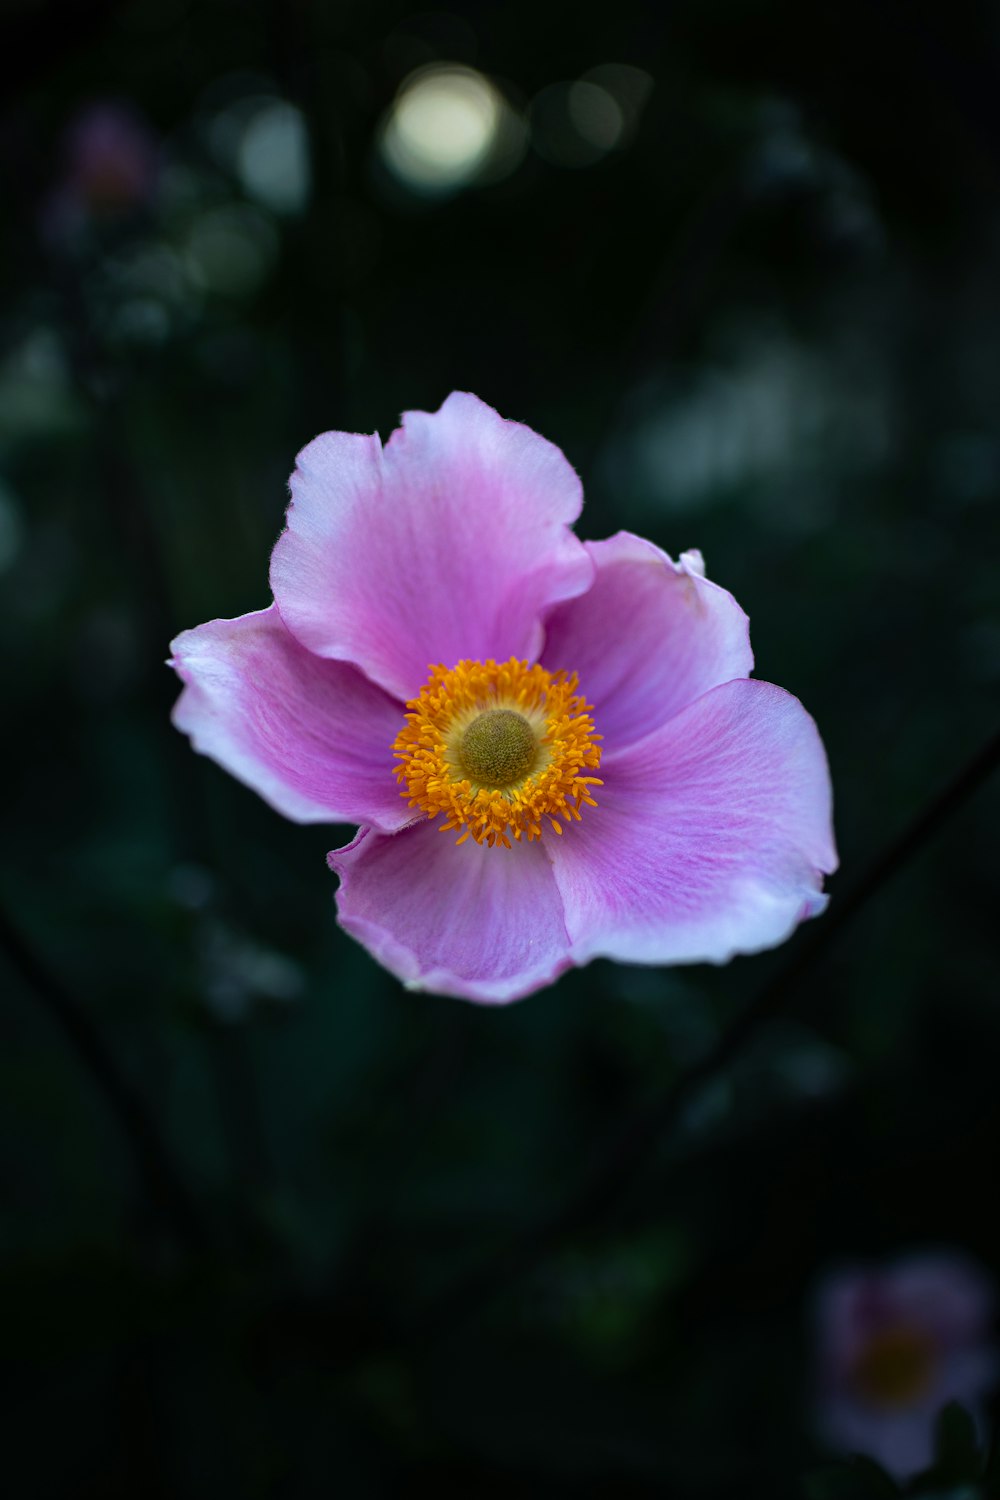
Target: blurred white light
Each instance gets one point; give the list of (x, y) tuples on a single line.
[(148, 269), (231, 250), (596, 115), (142, 321), (774, 416), (42, 357), (272, 158), (629, 87), (442, 128), (576, 124), (36, 391)]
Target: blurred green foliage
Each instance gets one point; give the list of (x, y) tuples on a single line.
[(766, 323)]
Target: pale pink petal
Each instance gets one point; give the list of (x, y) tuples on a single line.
[(852, 1303), (710, 837), (944, 1292), (450, 543), (941, 1296), (902, 1441), (313, 737), (485, 924), (647, 638)]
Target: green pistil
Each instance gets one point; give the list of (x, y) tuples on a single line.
[(498, 748)]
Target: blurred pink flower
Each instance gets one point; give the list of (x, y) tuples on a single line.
[(112, 167), (615, 783), (894, 1346)]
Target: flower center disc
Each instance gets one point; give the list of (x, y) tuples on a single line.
[(895, 1368), (496, 747)]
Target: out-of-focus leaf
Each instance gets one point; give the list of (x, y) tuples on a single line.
[(859, 1479), (958, 1454)]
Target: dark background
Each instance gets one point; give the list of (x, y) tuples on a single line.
[(257, 1198)]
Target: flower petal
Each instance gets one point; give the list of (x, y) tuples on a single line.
[(901, 1441), (648, 638), (485, 924), (448, 544), (313, 737), (944, 1292), (709, 838)]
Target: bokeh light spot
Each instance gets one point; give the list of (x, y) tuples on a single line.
[(231, 250), (442, 128), (273, 158), (596, 115)]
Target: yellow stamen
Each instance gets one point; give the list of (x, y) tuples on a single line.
[(497, 747)]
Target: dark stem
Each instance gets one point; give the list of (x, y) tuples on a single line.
[(638, 1138), (152, 1158)]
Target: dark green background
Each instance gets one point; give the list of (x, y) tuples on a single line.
[(768, 328)]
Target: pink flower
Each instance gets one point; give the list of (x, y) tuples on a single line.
[(113, 158), (894, 1346), (112, 167), (608, 779)]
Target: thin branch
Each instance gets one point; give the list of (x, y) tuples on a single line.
[(639, 1136), (151, 1155)]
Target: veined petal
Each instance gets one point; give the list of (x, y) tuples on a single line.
[(448, 544), (485, 924), (648, 638), (313, 737), (710, 837)]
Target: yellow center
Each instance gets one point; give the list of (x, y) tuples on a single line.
[(496, 747), (896, 1367)]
